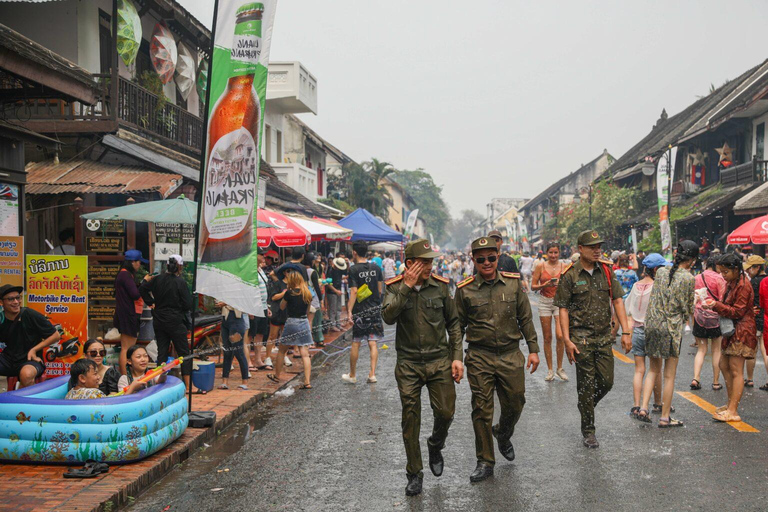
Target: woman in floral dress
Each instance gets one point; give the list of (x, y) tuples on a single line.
[(670, 307)]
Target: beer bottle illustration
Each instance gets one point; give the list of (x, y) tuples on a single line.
[(231, 185)]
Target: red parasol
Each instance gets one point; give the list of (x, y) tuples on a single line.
[(286, 232), (753, 231)]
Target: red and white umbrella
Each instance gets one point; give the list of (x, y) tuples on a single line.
[(286, 232), (753, 231)]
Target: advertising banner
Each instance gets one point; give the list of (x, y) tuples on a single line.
[(410, 223), (12, 260), (664, 170), (510, 232), (57, 287), (227, 246), (9, 209)]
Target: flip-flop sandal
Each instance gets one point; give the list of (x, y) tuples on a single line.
[(748, 383), (305, 386), (670, 423), (657, 408), (271, 376), (642, 415), (764, 387), (725, 417), (633, 412), (266, 367), (697, 385), (223, 386), (243, 387), (101, 467), (91, 469), (718, 387)]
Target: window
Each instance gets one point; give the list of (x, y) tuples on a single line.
[(760, 141), (320, 173), (105, 42), (279, 148), (267, 143)]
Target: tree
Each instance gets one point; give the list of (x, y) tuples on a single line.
[(365, 186), (461, 229), (428, 198)]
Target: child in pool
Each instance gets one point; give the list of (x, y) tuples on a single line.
[(84, 381), (138, 360)]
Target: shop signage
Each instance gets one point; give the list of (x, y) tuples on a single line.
[(12, 260), (9, 209), (100, 312), (105, 226), (104, 244), (103, 272)]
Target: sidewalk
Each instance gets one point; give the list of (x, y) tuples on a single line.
[(38, 488)]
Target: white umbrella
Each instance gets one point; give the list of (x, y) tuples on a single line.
[(163, 52), (185, 72)]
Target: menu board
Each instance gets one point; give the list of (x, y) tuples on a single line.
[(104, 244), (101, 289)]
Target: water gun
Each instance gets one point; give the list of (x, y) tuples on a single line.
[(163, 368), (326, 281)]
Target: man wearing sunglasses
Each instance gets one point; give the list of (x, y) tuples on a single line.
[(25, 332), (421, 304), (586, 292), (495, 314)]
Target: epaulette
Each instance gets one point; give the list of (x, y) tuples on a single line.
[(606, 262), (567, 268), (394, 280), (441, 278), (513, 275), (465, 282)]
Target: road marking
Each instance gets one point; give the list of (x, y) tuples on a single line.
[(621, 357), (738, 425)]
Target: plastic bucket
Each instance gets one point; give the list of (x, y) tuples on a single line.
[(204, 375)]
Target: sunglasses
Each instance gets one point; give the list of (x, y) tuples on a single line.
[(482, 259), (15, 298), (97, 353)]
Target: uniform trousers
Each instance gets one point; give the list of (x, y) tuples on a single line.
[(594, 379)]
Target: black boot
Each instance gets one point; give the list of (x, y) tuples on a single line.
[(414, 485), (590, 441), (505, 445), (435, 460), (481, 472)]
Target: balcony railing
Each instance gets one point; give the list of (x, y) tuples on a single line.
[(52, 108), (748, 172), (142, 109)]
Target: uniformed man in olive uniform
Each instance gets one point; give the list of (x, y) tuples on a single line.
[(421, 304), (495, 314), (586, 291)]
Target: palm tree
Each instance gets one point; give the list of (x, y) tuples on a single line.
[(378, 196)]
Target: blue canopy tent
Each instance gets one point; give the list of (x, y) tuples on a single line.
[(368, 228)]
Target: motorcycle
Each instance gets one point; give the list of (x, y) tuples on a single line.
[(207, 332), (66, 348)]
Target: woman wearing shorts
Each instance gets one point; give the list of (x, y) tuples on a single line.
[(545, 279), (710, 285)]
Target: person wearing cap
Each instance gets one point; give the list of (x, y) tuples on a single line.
[(495, 314), (128, 304), (585, 294), (334, 291), (670, 307), (420, 303), (506, 263), (272, 259), (24, 332), (172, 301), (755, 269)]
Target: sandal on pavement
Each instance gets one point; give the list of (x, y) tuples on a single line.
[(305, 386), (266, 367), (657, 408), (718, 387), (633, 412), (721, 409), (642, 415), (725, 417), (669, 422), (243, 387), (271, 376), (695, 384), (749, 383), (223, 386), (764, 387)]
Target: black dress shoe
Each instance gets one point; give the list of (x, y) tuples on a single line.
[(505, 445), (414, 485), (435, 460), (481, 472), (590, 441)]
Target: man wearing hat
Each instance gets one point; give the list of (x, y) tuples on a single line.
[(334, 291), (25, 332), (586, 291), (506, 263), (495, 314), (421, 304)]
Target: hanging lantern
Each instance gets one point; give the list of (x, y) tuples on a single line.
[(163, 52), (128, 31), (185, 72), (202, 79)]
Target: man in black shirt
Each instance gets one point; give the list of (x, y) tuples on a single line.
[(24, 332), (366, 284), (506, 263)]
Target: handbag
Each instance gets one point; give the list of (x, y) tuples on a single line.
[(727, 326)]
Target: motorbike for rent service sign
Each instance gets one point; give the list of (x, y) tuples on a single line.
[(57, 287)]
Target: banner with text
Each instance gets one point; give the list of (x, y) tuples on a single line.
[(12, 260), (227, 244), (57, 287), (664, 170), (410, 224)]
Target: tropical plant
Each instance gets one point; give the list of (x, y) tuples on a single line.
[(365, 186), (428, 198)]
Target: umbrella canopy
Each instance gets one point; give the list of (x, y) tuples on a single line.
[(285, 233), (163, 52), (753, 231), (368, 228), (202, 79), (175, 211), (185, 72), (323, 230), (128, 31)]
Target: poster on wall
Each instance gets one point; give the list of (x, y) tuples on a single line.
[(12, 260), (227, 266), (9, 209), (57, 287)]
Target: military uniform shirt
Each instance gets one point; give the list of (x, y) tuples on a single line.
[(588, 301), (422, 318), (496, 314)]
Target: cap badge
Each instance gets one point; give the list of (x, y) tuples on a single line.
[(483, 241), (426, 246), (594, 234)]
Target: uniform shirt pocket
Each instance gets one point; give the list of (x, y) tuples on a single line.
[(434, 309), (480, 308)]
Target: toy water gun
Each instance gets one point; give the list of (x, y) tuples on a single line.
[(163, 368), (326, 281)]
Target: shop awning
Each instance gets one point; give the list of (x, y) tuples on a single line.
[(285, 233), (89, 177), (321, 229)]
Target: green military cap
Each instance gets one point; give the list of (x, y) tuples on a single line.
[(589, 237), (420, 249), (484, 243)]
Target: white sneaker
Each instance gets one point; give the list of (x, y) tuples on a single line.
[(372, 380), (268, 361), (550, 376), (349, 380), (561, 373), (287, 361)]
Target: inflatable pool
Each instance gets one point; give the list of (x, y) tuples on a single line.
[(37, 425)]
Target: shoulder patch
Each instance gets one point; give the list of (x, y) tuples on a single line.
[(465, 282), (513, 275), (394, 280), (441, 278), (567, 267), (606, 262)]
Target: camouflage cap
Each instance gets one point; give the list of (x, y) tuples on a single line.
[(420, 249), (589, 237), (484, 243)]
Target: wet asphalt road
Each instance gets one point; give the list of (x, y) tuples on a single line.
[(339, 447)]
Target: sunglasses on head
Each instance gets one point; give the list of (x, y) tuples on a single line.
[(97, 353), (480, 260)]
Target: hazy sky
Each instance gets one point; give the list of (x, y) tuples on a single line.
[(502, 98)]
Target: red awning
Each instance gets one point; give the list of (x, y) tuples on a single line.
[(287, 233), (753, 231)]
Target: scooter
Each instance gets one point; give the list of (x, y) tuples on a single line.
[(64, 348), (207, 332)]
